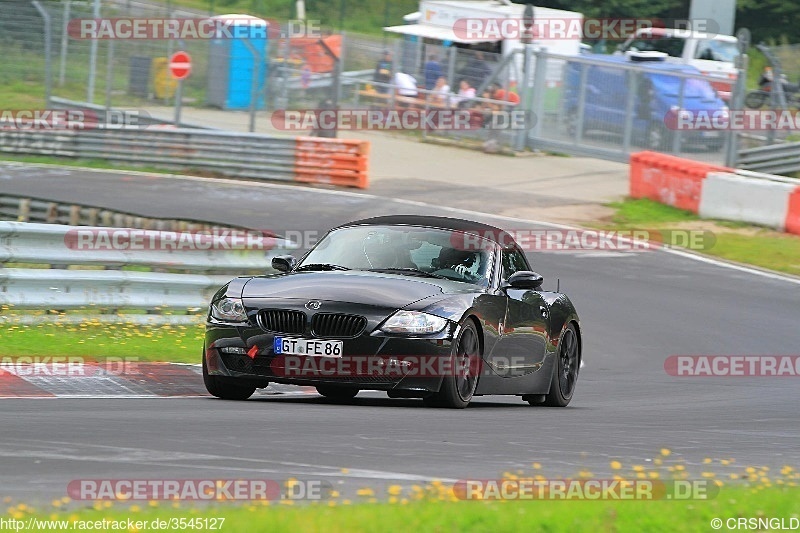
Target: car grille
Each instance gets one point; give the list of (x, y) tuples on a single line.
[(282, 321), (337, 325)]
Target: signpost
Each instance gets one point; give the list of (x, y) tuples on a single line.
[(180, 66)]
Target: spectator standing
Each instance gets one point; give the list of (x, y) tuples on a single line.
[(383, 72), (433, 71)]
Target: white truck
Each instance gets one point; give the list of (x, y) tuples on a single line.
[(712, 54), (495, 25)]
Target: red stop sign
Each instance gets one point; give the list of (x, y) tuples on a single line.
[(180, 65)]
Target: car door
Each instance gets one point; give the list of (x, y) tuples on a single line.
[(521, 348)]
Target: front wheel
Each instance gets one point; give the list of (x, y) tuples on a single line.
[(224, 388), (565, 373), (460, 382)]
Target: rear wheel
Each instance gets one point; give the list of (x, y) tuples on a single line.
[(337, 393), (461, 381), (756, 99), (225, 388), (565, 373)]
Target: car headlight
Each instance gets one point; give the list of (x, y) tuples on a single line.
[(229, 310), (413, 322)]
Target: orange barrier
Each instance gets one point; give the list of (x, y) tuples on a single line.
[(668, 179), (341, 162), (793, 215), (310, 51)]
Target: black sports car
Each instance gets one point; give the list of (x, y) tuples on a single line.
[(421, 307)]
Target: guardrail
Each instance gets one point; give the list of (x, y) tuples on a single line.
[(64, 246), (777, 158), (27, 209), (341, 162)]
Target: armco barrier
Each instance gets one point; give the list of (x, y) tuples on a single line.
[(668, 179), (63, 288), (762, 200), (246, 155)]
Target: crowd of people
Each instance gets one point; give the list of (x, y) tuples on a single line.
[(438, 92)]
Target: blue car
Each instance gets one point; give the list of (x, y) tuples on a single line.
[(656, 102)]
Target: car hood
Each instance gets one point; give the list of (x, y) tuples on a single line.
[(369, 288)]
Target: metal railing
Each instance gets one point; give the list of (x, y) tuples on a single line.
[(245, 155), (95, 285), (781, 158)]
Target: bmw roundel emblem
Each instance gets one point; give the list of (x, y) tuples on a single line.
[(313, 305)]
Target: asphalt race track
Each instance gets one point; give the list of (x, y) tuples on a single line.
[(637, 309)]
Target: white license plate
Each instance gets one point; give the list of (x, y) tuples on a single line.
[(310, 347), (709, 134)]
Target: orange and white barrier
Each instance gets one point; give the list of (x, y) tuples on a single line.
[(669, 180), (717, 192)]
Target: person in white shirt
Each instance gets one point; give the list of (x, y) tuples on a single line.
[(405, 84), (441, 92), (465, 93)]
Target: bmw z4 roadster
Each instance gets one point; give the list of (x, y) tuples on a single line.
[(435, 308)]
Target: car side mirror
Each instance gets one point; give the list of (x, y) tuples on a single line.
[(525, 279), (284, 263)]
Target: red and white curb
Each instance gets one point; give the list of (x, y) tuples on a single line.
[(97, 380)]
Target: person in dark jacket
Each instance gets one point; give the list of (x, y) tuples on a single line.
[(383, 72)]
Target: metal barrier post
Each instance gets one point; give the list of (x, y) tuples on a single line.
[(48, 63), (676, 139), (737, 103), (633, 90), (525, 93)]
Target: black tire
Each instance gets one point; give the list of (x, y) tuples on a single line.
[(337, 393), (458, 388), (756, 99), (565, 371), (224, 388)]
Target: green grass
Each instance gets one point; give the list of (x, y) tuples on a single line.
[(734, 241), (90, 340), (559, 516)]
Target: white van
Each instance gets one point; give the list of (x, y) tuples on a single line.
[(713, 55)]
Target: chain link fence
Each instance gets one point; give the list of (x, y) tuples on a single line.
[(589, 104)]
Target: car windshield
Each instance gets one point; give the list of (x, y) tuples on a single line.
[(693, 88), (672, 46), (407, 250), (714, 50)]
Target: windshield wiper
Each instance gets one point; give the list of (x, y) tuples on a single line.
[(408, 270), (320, 266)]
